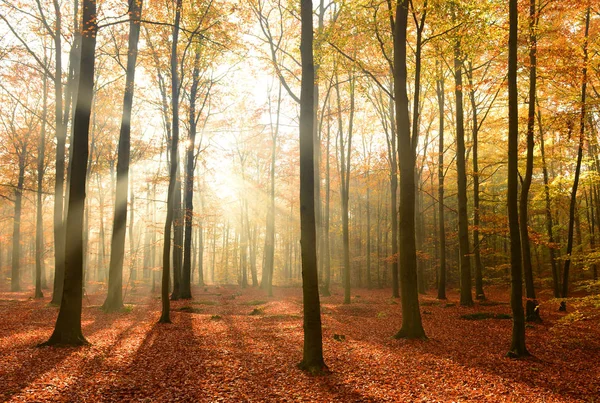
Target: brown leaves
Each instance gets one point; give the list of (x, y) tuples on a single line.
[(253, 358)]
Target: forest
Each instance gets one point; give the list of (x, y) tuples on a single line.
[(300, 200)]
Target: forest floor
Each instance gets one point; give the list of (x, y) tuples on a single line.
[(235, 345)]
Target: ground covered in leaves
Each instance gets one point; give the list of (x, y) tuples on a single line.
[(229, 344)]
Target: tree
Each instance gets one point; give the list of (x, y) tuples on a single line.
[(67, 330), (466, 298), (173, 166), (39, 218), (114, 299), (312, 359), (345, 150), (517, 348), (412, 327), (267, 278), (532, 313), (442, 229), (573, 202)]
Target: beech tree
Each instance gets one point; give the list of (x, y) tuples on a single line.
[(517, 347), (114, 299), (67, 330), (411, 315), (312, 359)]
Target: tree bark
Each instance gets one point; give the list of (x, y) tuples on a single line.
[(411, 315), (442, 229), (186, 291), (59, 184), (16, 238), (312, 360), (572, 205), (114, 299), (174, 163), (466, 298), (479, 294), (68, 324), (517, 348), (532, 313), (39, 218), (345, 147), (548, 211)]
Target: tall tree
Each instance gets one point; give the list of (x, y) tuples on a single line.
[(114, 299), (21, 144), (442, 229), (411, 315), (517, 347), (165, 316), (572, 204), (269, 251), (312, 359), (345, 150), (68, 324), (39, 218), (532, 313), (190, 165), (466, 298), (61, 136)]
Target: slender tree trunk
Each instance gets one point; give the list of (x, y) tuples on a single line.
[(16, 238), (177, 238), (174, 163), (517, 348), (39, 221), (479, 294), (68, 324), (114, 299), (548, 210), (270, 233), (411, 315), (186, 291), (565, 281), (345, 153), (466, 298), (368, 183), (59, 185), (442, 229), (201, 239), (532, 313), (312, 360), (326, 241)]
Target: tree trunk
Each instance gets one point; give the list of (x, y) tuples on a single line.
[(312, 360), (59, 184), (466, 298), (345, 152), (174, 163), (186, 291), (270, 230), (326, 241), (517, 348), (16, 238), (114, 299), (479, 294), (532, 313), (565, 281), (39, 218), (177, 238), (411, 315), (68, 324), (548, 210), (442, 229), (201, 240)]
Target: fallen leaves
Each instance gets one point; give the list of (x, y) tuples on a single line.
[(215, 351)]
